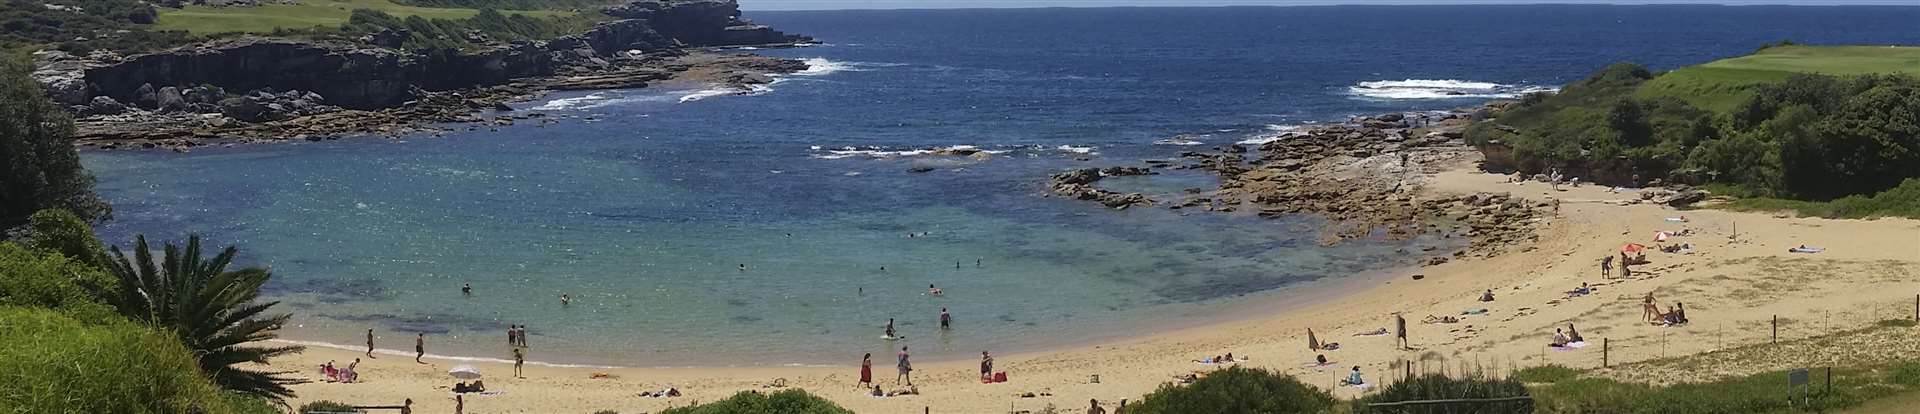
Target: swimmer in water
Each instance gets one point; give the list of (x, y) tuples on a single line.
[(467, 289), (932, 290), (743, 267), (565, 299)]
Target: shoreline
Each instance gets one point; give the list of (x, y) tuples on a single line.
[(1866, 265)]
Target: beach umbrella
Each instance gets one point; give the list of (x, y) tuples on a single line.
[(465, 372), (1661, 236), (1312, 342), (1632, 248)]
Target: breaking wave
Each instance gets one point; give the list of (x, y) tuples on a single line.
[(1441, 89)]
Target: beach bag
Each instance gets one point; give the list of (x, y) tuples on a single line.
[(1000, 376)]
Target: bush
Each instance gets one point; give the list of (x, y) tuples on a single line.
[(54, 363), (750, 402), (1441, 386), (1756, 393), (49, 280), (1906, 373), (60, 231), (324, 406), (42, 169), (1237, 390)]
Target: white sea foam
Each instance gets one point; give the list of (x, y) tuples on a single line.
[(1276, 132), (723, 90), (1440, 89), (884, 152), (1180, 140), (597, 100)]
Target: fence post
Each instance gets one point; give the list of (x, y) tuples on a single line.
[(1776, 326), (1605, 345)]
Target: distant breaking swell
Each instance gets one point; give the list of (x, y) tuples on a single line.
[(1440, 89)]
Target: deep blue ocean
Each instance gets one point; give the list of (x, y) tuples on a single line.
[(643, 205)]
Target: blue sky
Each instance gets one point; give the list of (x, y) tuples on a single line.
[(949, 4)]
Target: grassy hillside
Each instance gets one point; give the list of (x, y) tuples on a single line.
[(1720, 85), (306, 14)]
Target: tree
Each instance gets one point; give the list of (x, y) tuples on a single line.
[(39, 168), (212, 310)]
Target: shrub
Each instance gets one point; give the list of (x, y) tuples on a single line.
[(42, 168), (324, 406), (1237, 390), (1441, 386), (1906, 373), (1545, 373), (750, 402), (56, 364), (49, 280), (59, 230)]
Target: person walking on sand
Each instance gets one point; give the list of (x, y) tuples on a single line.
[(1606, 267), (906, 368), (370, 343), (946, 320), (1400, 330), (866, 370), (459, 404), (419, 347), (519, 359)]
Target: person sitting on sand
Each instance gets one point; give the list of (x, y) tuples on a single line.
[(1320, 360), (877, 392), (1353, 378), (1096, 407), (1573, 335), (1559, 339), (1583, 290), (1677, 316), (461, 387), (1487, 297)]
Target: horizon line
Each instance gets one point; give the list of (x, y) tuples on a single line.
[(909, 5)]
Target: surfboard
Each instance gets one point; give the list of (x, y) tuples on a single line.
[(893, 338)]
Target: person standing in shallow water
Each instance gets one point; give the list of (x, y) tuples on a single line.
[(946, 320), (419, 347)]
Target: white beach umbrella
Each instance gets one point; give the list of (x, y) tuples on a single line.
[(465, 372)]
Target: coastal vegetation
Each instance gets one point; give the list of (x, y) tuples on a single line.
[(42, 168), (748, 402), (321, 15), (60, 362), (422, 33), (1796, 131), (82, 25), (1441, 386), (1237, 390)]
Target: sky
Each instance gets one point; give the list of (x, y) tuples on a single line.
[(953, 4)]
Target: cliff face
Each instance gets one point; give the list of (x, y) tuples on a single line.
[(365, 77), (701, 22)]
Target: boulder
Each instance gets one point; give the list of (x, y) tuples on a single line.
[(168, 99), (102, 105)]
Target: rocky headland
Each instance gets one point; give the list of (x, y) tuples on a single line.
[(1361, 175), (255, 89)]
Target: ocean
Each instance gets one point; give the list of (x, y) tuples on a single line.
[(695, 226)]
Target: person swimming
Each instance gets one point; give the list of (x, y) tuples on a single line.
[(566, 299), (466, 289), (932, 290)]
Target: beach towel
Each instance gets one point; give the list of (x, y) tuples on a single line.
[(1378, 332), (1804, 249), (1677, 219), (1570, 346), (1480, 311)]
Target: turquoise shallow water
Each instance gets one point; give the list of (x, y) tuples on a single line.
[(645, 212)]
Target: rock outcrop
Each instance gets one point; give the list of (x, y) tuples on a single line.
[(1079, 184), (255, 79)]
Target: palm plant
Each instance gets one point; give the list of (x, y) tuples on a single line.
[(211, 309)]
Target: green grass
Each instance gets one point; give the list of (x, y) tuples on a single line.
[(204, 20), (1722, 84), (53, 363)]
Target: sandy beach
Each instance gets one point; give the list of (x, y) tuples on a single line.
[(1732, 284)]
